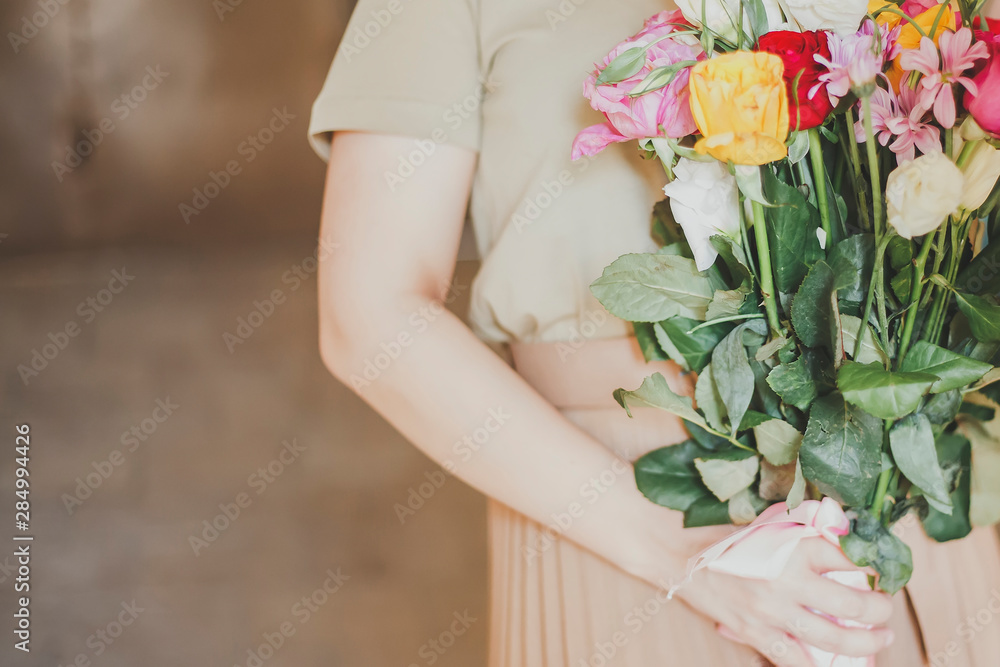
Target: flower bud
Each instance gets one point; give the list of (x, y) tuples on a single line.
[(981, 172)]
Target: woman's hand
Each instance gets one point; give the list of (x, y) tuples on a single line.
[(774, 616)]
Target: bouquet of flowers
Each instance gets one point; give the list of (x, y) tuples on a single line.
[(827, 264)]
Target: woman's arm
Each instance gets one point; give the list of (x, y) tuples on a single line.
[(380, 295)]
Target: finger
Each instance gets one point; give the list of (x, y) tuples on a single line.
[(840, 601), (824, 557), (780, 648), (826, 635)]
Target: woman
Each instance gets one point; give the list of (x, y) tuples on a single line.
[(438, 107)]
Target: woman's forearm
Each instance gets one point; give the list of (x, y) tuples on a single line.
[(423, 370)]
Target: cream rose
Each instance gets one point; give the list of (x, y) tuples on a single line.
[(721, 16), (981, 173), (704, 201), (922, 193), (841, 16)]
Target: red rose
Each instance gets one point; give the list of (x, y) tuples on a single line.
[(797, 51)]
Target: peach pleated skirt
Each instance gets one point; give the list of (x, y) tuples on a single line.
[(555, 604)]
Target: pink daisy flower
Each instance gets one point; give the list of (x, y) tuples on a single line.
[(854, 64), (957, 54), (900, 120)]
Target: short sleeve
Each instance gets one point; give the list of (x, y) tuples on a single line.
[(404, 67)]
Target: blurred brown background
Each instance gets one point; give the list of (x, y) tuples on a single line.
[(168, 367)]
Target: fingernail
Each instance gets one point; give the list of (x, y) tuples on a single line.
[(890, 637)]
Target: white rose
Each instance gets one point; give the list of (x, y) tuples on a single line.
[(922, 193), (841, 16), (981, 173), (722, 16), (704, 201)]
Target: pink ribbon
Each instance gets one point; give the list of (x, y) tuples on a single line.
[(762, 549)]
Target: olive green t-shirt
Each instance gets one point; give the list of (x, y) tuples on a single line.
[(505, 78)]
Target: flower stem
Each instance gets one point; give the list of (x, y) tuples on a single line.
[(880, 490), (873, 170), (819, 178), (967, 150), (878, 276), (766, 272), (939, 310), (916, 287), (855, 160)]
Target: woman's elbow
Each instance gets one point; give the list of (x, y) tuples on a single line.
[(352, 328), (340, 336)]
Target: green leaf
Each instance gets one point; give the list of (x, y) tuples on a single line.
[(727, 303), (885, 394), (706, 393), (724, 477), (707, 439), (983, 316), (798, 491), (757, 16), (752, 419), (778, 441), (646, 338), (900, 252), (954, 370), (791, 231), (814, 309), (852, 261), (626, 64), (981, 275), (659, 77), (841, 452), (942, 408), (900, 285), (794, 383), (655, 393), (707, 511), (733, 256), (668, 476), (743, 507), (653, 288), (912, 443), (695, 348), (871, 544), (734, 379), (665, 230), (871, 349), (955, 457)]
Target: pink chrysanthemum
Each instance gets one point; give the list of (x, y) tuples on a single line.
[(889, 47), (854, 64), (901, 118), (936, 87)]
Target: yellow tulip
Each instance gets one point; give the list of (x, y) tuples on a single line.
[(887, 20), (740, 105)]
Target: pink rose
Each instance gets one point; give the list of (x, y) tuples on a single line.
[(662, 112), (984, 105)]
